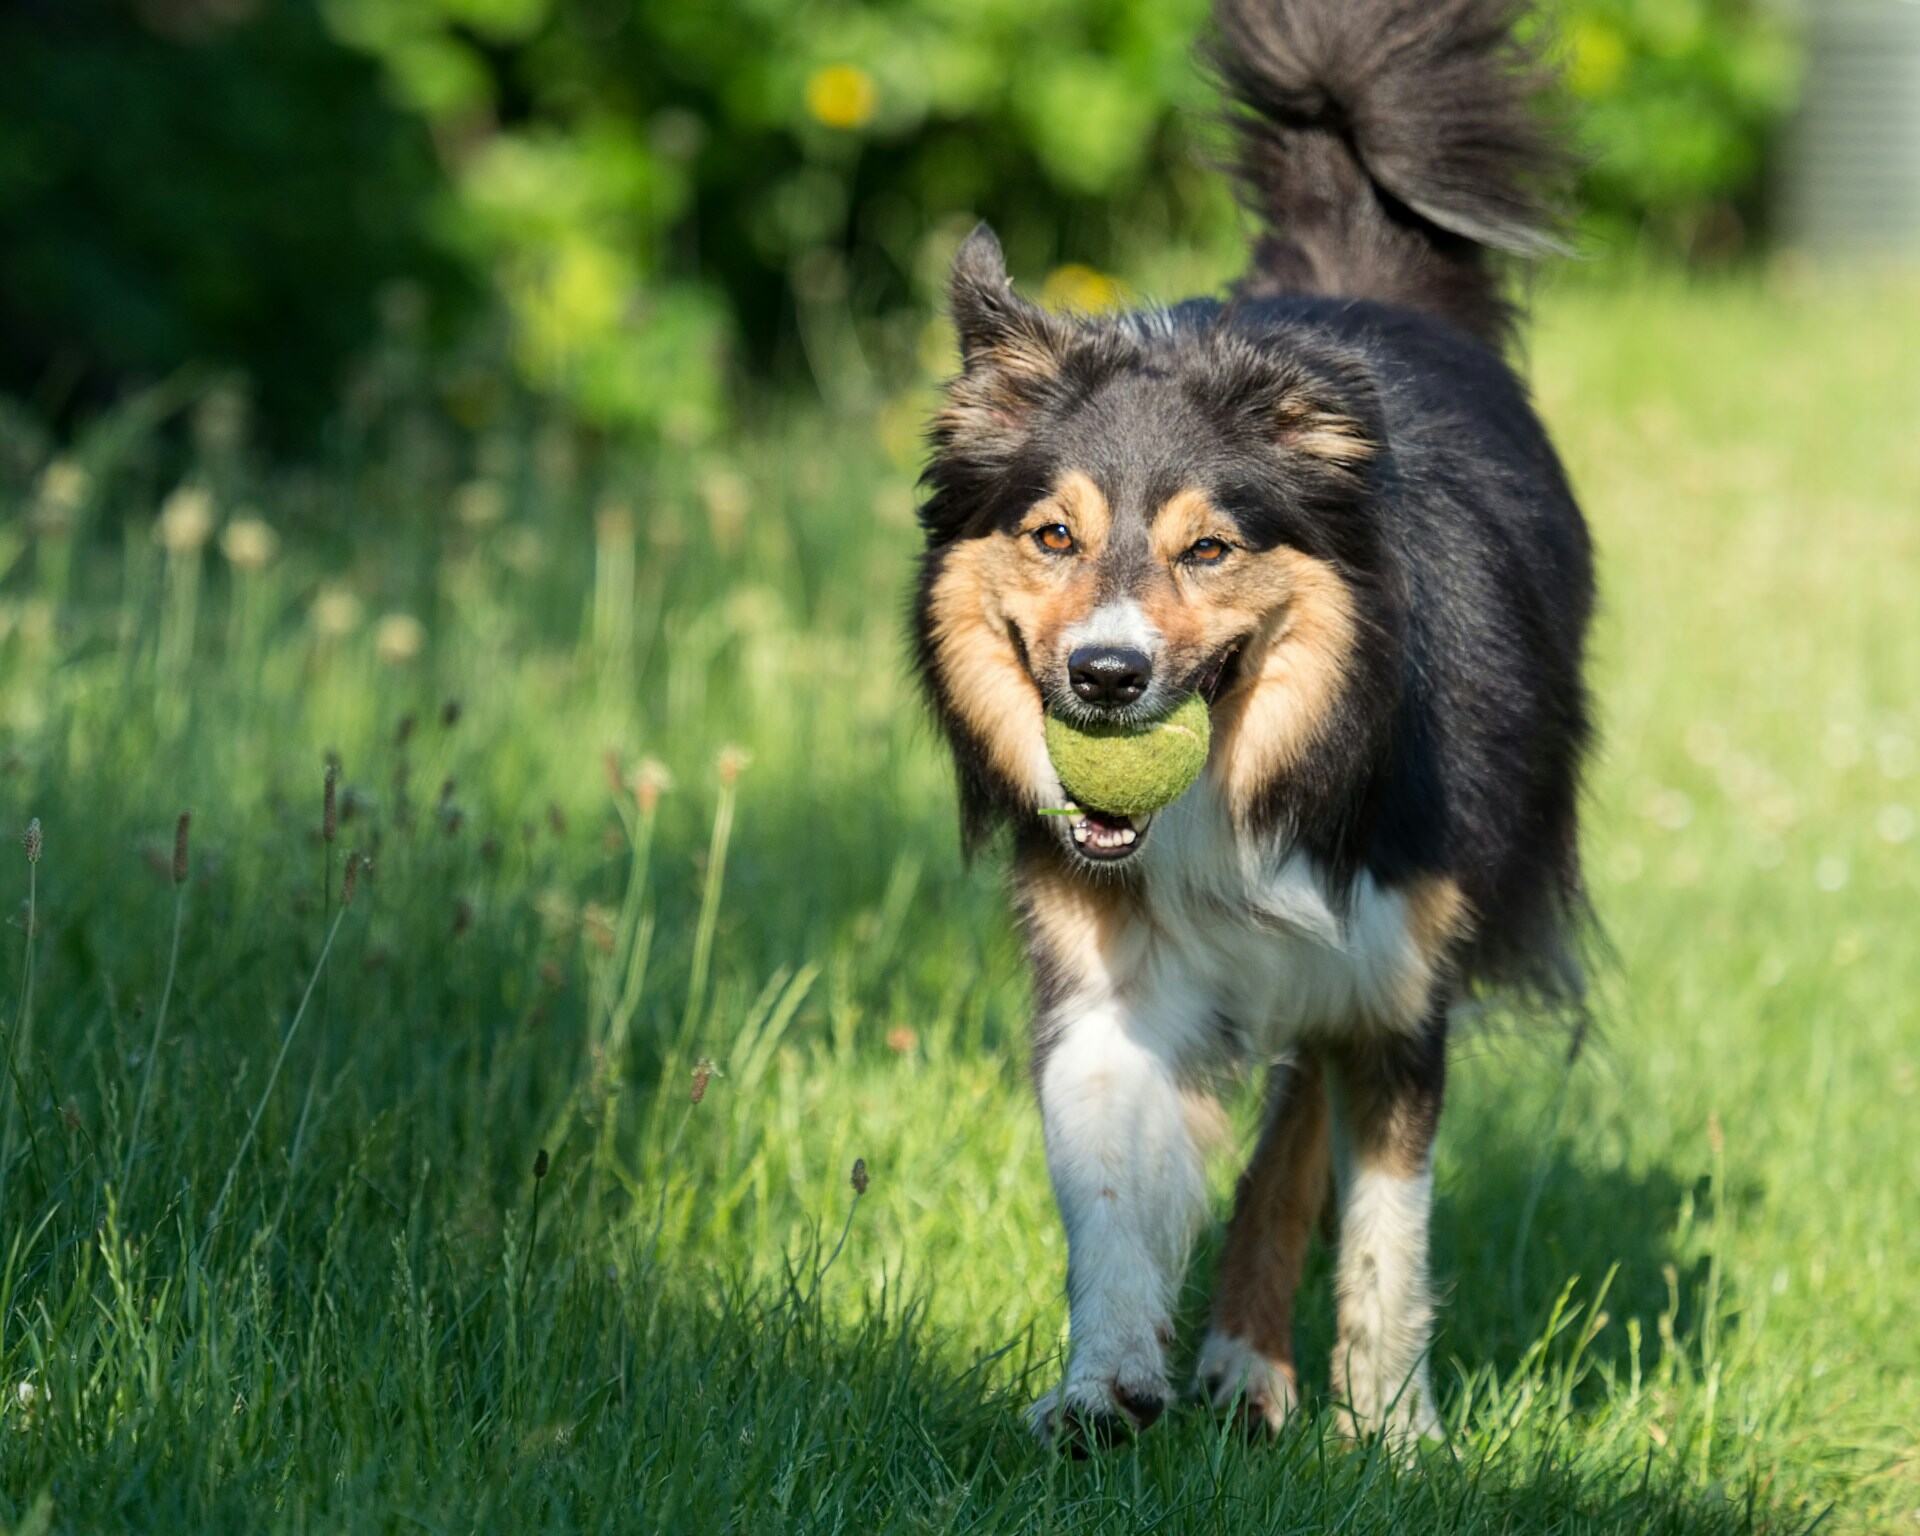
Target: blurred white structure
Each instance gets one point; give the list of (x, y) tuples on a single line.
[(1852, 161)]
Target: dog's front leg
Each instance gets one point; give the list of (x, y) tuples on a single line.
[(1128, 1177)]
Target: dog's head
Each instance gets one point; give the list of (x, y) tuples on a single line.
[(1123, 511)]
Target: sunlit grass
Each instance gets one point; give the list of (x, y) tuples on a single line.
[(647, 801)]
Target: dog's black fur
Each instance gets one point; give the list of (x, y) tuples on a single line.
[(1325, 504), (1392, 150)]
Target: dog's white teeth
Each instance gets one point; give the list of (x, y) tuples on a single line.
[(1100, 836)]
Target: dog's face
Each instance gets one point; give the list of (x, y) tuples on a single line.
[(1125, 512)]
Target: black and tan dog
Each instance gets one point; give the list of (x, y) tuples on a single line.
[(1327, 505)]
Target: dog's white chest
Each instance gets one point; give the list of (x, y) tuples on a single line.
[(1262, 940)]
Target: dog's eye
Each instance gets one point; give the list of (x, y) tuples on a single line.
[(1207, 552), (1055, 538)]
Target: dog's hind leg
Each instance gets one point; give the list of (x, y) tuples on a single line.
[(1248, 1355), (1386, 1100)]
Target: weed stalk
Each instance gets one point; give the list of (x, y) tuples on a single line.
[(181, 832)]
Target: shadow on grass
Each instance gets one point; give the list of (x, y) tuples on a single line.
[(1518, 1223), (763, 1409), (1517, 1227)]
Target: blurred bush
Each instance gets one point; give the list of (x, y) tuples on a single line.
[(647, 194), (1676, 104), (200, 181)]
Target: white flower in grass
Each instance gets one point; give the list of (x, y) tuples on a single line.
[(1627, 864), (1669, 809), (1842, 747), (651, 780), (336, 612), (63, 488), (186, 520), (480, 503), (399, 638), (1706, 743), (249, 544)]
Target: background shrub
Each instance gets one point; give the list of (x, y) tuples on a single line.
[(635, 201)]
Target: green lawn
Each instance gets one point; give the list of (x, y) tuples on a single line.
[(275, 1255)]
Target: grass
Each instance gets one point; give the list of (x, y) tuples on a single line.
[(273, 1252)]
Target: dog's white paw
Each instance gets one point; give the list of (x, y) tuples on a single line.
[(1404, 1423), (1087, 1411), (1231, 1371)]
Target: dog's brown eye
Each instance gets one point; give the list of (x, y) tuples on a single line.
[(1055, 538), (1207, 552)]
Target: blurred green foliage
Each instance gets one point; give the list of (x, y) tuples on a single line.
[(208, 182), (631, 200), (1677, 102)]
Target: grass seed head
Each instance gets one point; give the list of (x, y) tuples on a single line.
[(64, 486), (859, 1179), (650, 781), (702, 1075), (731, 763), (249, 544), (33, 841), (186, 520), (399, 638), (351, 882), (336, 612), (180, 830), (540, 1164)]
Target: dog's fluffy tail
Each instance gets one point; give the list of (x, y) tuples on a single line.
[(1393, 149)]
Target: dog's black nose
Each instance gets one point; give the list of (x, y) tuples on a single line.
[(1108, 675)]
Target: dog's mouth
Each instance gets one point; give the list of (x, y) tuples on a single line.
[(1102, 837), (1221, 673), (1107, 837)]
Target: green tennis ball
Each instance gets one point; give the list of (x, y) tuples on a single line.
[(1128, 770)]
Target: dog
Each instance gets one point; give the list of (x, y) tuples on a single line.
[(1326, 505)]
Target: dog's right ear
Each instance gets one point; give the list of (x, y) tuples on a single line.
[(999, 331), (1012, 357)]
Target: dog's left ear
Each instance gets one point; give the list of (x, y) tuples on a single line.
[(1319, 407), (1330, 410), (998, 330)]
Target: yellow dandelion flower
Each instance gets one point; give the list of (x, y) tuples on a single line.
[(1598, 58), (842, 96), (1081, 288)]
